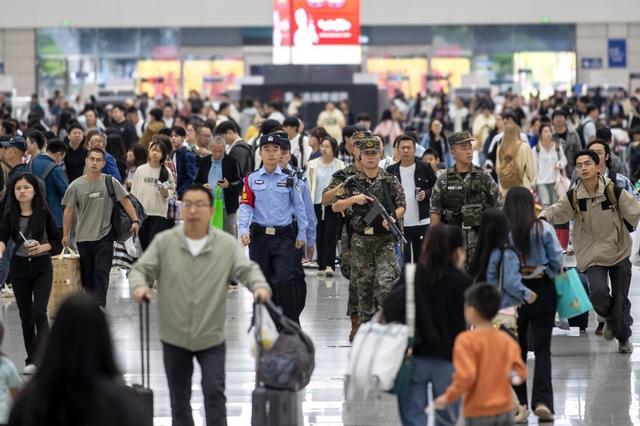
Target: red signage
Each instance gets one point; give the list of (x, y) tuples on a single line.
[(325, 22), (305, 24)]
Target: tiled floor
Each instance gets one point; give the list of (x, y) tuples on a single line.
[(593, 384)]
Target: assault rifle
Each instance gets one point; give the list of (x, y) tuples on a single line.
[(377, 209)]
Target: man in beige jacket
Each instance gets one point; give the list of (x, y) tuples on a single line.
[(603, 215), (192, 265)]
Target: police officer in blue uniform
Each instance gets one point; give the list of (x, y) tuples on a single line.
[(300, 180), (270, 201)]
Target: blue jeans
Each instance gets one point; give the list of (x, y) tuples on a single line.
[(427, 370), (547, 194)]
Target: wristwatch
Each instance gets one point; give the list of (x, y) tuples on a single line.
[(136, 221)]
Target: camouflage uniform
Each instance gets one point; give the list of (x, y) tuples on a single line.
[(461, 198), (374, 264), (345, 248)]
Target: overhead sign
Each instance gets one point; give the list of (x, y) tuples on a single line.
[(316, 32), (617, 52), (591, 63)]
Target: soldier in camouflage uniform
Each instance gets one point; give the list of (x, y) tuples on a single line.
[(463, 192), (374, 265), (328, 198)]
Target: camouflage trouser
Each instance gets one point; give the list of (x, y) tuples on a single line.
[(470, 241), (345, 270), (374, 270)]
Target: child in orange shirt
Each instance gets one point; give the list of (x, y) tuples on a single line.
[(486, 362)]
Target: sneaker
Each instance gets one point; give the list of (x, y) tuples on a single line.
[(624, 347), (543, 413), (7, 291), (608, 332), (522, 416), (321, 273), (328, 272), (29, 370), (599, 329)]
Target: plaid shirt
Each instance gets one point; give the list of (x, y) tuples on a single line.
[(345, 157)]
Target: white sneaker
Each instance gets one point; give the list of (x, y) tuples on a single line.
[(321, 273), (7, 291), (30, 370), (328, 272)]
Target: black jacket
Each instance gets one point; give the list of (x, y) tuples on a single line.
[(128, 133), (439, 311), (231, 172), (74, 162), (424, 178)]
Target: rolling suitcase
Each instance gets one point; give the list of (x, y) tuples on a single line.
[(142, 392), (272, 407)]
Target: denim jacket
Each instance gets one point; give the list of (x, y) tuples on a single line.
[(513, 291), (544, 250)]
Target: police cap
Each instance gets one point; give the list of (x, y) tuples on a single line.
[(270, 139), (285, 143)]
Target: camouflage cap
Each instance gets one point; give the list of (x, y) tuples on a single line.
[(366, 141), (460, 137)]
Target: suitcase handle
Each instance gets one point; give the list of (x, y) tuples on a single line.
[(144, 318)]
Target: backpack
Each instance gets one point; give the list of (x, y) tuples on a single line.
[(611, 192), (251, 152), (42, 179), (120, 221), (508, 175)]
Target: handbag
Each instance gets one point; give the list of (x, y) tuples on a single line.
[(402, 385), (378, 352), (573, 299), (67, 279), (506, 317), (217, 219), (289, 363)]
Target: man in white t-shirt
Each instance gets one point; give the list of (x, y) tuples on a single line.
[(416, 179)]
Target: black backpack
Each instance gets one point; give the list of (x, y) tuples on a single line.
[(289, 363), (120, 221), (612, 193)]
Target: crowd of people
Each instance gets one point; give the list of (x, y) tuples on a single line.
[(483, 190)]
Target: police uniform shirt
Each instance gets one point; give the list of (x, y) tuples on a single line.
[(301, 181), (271, 200)]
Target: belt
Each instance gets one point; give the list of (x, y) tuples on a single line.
[(371, 232), (271, 230)]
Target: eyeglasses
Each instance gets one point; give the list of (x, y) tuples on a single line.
[(198, 205)]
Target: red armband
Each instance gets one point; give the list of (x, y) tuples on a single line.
[(248, 197)]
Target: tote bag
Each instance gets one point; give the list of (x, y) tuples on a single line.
[(66, 279), (572, 297), (218, 209)]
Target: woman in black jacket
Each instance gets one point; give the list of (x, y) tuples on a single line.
[(440, 284), (78, 382), (29, 223)]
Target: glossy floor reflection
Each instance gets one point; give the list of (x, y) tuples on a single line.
[(593, 384)]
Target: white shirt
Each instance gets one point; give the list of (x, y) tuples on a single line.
[(547, 160), (412, 213), (323, 177), (196, 246)]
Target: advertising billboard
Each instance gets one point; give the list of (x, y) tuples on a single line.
[(316, 32)]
